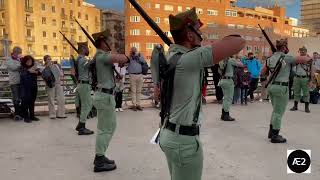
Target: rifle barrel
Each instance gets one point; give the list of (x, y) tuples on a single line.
[(69, 42), (273, 48)]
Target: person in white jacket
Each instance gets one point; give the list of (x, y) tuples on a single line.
[(120, 78)]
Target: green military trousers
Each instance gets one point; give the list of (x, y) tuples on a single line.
[(298, 85), (105, 105), (84, 93), (227, 86), (77, 99), (184, 155), (279, 96)]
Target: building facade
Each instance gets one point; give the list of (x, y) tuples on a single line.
[(34, 25), (220, 18), (114, 22), (310, 15)]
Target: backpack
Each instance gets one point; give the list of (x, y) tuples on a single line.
[(48, 77)]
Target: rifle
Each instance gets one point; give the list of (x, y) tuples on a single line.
[(151, 23), (273, 48), (87, 34), (279, 63), (69, 42), (74, 77)]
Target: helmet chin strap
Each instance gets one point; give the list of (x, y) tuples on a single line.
[(195, 31)]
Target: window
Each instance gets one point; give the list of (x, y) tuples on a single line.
[(234, 14), (150, 46), (157, 20), (136, 45), (188, 8), (71, 1), (249, 48), (248, 38), (240, 26), (166, 20), (212, 24), (79, 15), (54, 35), (79, 3), (135, 32), (87, 17), (53, 9), (44, 20), (134, 18), (45, 48), (179, 8), (249, 27), (148, 32), (44, 34), (54, 22), (228, 13), (168, 7), (148, 5), (80, 38), (29, 47), (55, 49), (63, 11), (212, 12), (64, 50), (43, 7), (157, 6), (199, 11), (71, 14), (28, 17), (231, 13), (63, 24), (29, 33), (213, 36), (231, 26)]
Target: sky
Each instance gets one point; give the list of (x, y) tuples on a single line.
[(293, 6)]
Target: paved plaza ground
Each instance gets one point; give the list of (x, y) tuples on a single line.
[(51, 149)]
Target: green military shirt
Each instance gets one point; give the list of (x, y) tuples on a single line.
[(83, 68), (284, 73), (187, 82), (154, 66), (300, 69), (231, 63), (104, 70)]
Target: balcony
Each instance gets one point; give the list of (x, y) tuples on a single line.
[(73, 30), (2, 23), (28, 9), (29, 23), (64, 29), (97, 23), (30, 38), (64, 17)]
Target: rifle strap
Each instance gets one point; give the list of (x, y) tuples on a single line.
[(274, 73), (225, 63), (197, 111)]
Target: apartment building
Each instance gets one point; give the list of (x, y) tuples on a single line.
[(220, 17), (34, 25)]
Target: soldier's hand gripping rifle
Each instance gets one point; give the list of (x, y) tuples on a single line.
[(279, 63), (74, 77)]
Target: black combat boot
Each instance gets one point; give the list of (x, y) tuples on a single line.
[(105, 159), (226, 116), (100, 165), (295, 106), (83, 130), (78, 126), (307, 107), (270, 132), (276, 138), (78, 111)]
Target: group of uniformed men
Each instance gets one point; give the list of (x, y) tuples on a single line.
[(179, 135)]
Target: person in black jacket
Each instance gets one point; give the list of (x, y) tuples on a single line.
[(29, 88)]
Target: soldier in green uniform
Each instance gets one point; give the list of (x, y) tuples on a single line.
[(179, 136), (83, 89), (104, 100), (278, 89), (227, 86), (301, 83)]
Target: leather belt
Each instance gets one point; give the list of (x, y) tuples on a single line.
[(281, 83), (183, 130), (83, 82), (107, 91), (301, 76), (227, 77)]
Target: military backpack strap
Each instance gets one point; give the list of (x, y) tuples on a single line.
[(197, 111), (225, 62)]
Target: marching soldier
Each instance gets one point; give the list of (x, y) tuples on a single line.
[(301, 83), (104, 100), (227, 86), (179, 136), (83, 90), (278, 90)]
